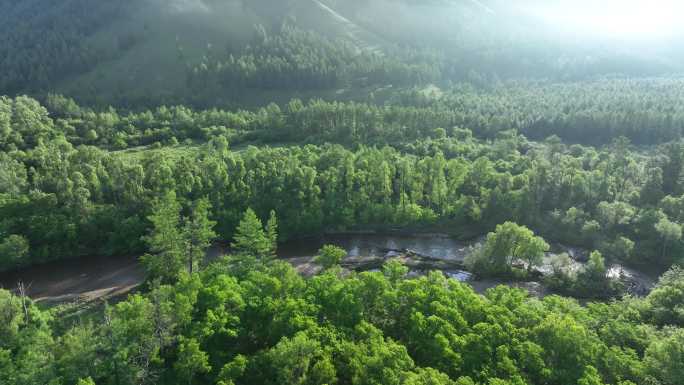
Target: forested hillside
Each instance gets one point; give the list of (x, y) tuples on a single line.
[(236, 53)]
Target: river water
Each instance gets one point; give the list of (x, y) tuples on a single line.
[(88, 278)]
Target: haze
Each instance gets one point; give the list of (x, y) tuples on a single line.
[(628, 20)]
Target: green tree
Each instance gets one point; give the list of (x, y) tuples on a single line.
[(165, 240), (509, 242), (531, 250), (272, 232), (191, 360), (13, 176), (568, 347), (250, 237), (300, 360), (133, 343), (78, 353), (233, 370), (666, 301), (330, 255), (13, 250), (664, 358), (593, 279), (669, 232), (590, 377), (596, 267), (198, 234)]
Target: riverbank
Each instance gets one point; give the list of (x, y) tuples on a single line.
[(90, 278)]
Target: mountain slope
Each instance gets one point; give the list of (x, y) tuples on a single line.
[(166, 38), (133, 52)]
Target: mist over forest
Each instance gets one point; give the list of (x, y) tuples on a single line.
[(130, 52)]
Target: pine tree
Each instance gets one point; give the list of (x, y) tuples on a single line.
[(165, 240), (250, 237), (198, 233), (272, 232)]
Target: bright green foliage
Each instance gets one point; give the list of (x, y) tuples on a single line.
[(665, 358), (510, 242), (667, 298), (251, 238), (394, 271), (596, 268), (590, 281), (191, 360), (134, 347), (428, 376), (13, 176), (27, 353), (593, 278), (568, 347), (272, 326), (299, 361), (70, 200), (330, 255), (590, 377), (233, 370), (165, 240), (178, 247), (467, 154)]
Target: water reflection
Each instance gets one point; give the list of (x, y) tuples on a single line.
[(358, 245)]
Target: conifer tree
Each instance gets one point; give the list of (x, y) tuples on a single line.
[(198, 232), (165, 240), (250, 237)]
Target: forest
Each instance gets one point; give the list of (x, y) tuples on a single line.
[(200, 138), (80, 191), (72, 186)]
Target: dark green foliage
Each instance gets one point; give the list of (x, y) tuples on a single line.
[(12, 250), (305, 46), (60, 30), (198, 233), (298, 59), (595, 113)]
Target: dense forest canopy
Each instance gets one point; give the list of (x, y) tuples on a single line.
[(268, 325), (387, 174), (160, 128)]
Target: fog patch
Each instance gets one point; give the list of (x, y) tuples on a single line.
[(188, 6)]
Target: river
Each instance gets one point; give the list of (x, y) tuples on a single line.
[(88, 278)]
